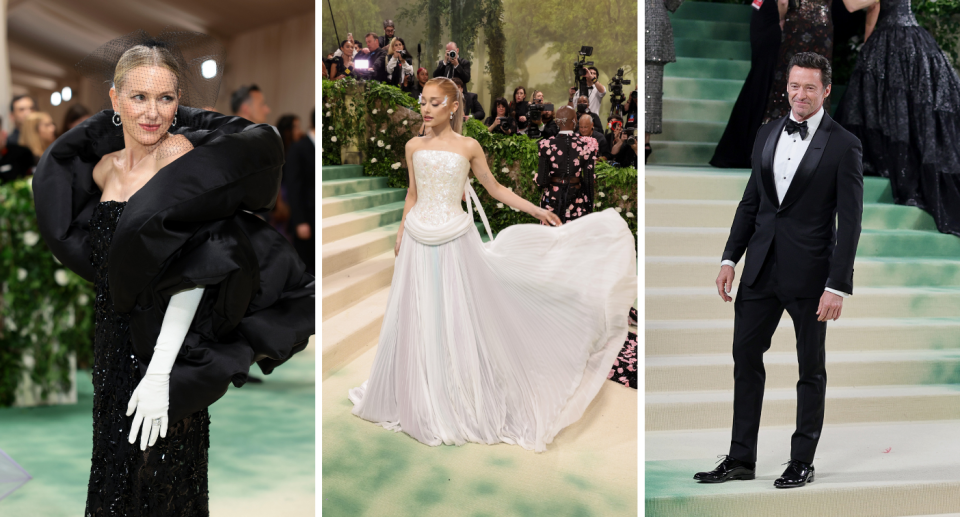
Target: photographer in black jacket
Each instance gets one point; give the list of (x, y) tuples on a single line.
[(471, 105), (501, 121), (452, 66)]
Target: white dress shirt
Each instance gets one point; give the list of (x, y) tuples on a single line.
[(568, 132), (594, 98), (405, 69), (786, 159)]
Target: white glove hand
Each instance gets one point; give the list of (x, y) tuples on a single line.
[(151, 398)]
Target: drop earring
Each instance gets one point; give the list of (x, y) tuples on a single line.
[(116, 119), (174, 120), (451, 116)]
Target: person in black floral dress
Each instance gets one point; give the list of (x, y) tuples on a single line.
[(807, 27)]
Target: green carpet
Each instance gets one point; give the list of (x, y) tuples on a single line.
[(262, 452)]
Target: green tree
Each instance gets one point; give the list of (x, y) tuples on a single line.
[(356, 16)]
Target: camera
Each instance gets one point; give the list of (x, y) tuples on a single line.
[(580, 69), (452, 54), (617, 97), (535, 116), (630, 131)]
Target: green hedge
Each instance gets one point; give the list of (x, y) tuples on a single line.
[(47, 310), (377, 125)]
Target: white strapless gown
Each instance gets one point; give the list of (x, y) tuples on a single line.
[(504, 341)]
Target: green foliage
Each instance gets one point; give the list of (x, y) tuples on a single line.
[(356, 16), (47, 310), (942, 19)]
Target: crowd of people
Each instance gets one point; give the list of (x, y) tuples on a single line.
[(385, 58)]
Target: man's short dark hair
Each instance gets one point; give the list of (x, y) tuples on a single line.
[(813, 60), (458, 82), (241, 95), (18, 97), (374, 34)]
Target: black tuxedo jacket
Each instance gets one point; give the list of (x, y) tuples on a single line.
[(300, 179), (812, 252), (472, 106), (462, 71)]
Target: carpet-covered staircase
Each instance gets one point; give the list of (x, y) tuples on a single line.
[(890, 445)]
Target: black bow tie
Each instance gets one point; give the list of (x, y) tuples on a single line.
[(793, 126)]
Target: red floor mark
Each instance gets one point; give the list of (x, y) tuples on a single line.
[(887, 450)]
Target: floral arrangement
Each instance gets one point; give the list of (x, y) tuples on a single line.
[(46, 311)]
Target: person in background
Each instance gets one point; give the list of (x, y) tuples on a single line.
[(659, 50), (342, 65), (376, 57), (519, 108), (595, 94), (550, 127), (389, 32), (501, 121), (399, 66), (300, 178), (422, 77), (471, 105), (37, 133), (290, 133), (587, 131), (248, 102), (621, 150), (583, 108), (75, 115), (20, 107), (452, 66), (15, 161)]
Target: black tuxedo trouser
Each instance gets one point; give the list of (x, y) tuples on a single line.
[(758, 310)]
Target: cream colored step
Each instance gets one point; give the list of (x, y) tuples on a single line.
[(331, 188), (345, 288), (352, 250), (353, 331), (870, 368), (351, 223), (863, 470), (694, 303), (844, 405), (333, 206), (673, 337), (693, 241)]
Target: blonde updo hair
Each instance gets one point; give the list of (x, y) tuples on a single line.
[(142, 55), (450, 88)]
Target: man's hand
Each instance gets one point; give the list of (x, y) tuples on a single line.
[(725, 282), (303, 231), (830, 306), (456, 62)]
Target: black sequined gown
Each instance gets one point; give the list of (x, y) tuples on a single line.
[(903, 102), (168, 479)]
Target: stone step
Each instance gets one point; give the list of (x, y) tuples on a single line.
[(681, 153), (664, 182), (706, 68), (350, 286), (844, 369), (711, 11), (666, 271), (709, 242), (696, 303), (888, 469), (693, 88), (844, 405), (344, 253), (331, 188), (690, 131), (339, 172), (353, 331), (351, 223), (697, 109), (672, 337), (700, 46), (719, 214), (333, 206), (711, 30)]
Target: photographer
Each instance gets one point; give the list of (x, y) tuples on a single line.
[(587, 131), (596, 90), (400, 66), (471, 105), (623, 146), (452, 66), (377, 60), (583, 108), (388, 34), (519, 108), (501, 122)]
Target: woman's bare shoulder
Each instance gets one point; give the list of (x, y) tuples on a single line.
[(172, 148), (104, 168)]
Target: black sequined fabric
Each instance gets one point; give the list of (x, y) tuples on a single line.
[(903, 102), (167, 479), (806, 28)]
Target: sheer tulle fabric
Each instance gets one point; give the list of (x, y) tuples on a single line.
[(504, 341)]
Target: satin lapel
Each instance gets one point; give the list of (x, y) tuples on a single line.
[(766, 163), (808, 165)]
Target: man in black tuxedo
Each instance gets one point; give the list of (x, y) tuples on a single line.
[(806, 171), (377, 56), (471, 105), (300, 179), (453, 66)]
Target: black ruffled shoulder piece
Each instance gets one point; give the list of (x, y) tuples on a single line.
[(189, 225)]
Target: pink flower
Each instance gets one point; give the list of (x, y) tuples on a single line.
[(559, 152), (579, 200), (555, 189), (576, 162), (548, 152), (610, 375), (555, 166), (553, 158), (577, 174)]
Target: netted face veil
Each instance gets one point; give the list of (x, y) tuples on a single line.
[(151, 77)]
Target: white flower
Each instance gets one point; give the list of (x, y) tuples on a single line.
[(629, 214), (596, 204), (328, 113), (619, 209), (374, 112), (379, 143), (327, 105), (624, 197), (61, 277), (499, 205), (30, 238), (82, 299), (603, 195), (21, 274), (404, 122), (330, 128), (395, 166), (373, 160), (372, 138), (514, 209), (383, 130), (510, 189), (10, 325), (333, 138), (387, 147), (390, 111), (505, 169)]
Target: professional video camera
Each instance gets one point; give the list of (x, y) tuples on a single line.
[(580, 69), (534, 116), (617, 98)]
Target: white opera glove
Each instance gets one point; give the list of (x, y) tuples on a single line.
[(151, 398)]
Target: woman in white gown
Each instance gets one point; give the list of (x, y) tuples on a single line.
[(504, 341)]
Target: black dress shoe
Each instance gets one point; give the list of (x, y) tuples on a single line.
[(797, 474), (729, 468), (646, 150)]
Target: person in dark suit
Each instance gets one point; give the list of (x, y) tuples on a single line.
[(15, 160), (807, 170), (453, 66), (377, 56), (21, 106), (300, 178), (589, 131), (471, 105), (388, 34)]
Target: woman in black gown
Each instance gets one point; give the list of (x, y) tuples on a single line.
[(736, 144), (171, 219), (903, 103)]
